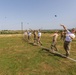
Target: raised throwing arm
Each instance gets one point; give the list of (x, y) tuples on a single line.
[(63, 27)]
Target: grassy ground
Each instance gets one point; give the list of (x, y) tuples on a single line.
[(18, 57)]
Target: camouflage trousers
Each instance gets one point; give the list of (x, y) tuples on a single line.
[(67, 45)]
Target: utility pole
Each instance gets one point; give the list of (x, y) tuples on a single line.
[(22, 27)]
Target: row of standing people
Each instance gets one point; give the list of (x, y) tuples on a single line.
[(65, 36), (36, 35)]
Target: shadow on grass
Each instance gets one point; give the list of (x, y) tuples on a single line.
[(54, 53), (33, 44), (24, 39)]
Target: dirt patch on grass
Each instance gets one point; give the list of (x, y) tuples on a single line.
[(9, 35)]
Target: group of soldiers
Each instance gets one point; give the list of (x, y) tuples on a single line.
[(36, 36), (66, 36)]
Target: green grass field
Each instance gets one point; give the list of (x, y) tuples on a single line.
[(18, 57)]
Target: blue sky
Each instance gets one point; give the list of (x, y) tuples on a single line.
[(37, 14)]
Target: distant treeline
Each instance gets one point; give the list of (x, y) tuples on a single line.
[(22, 31), (10, 32)]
